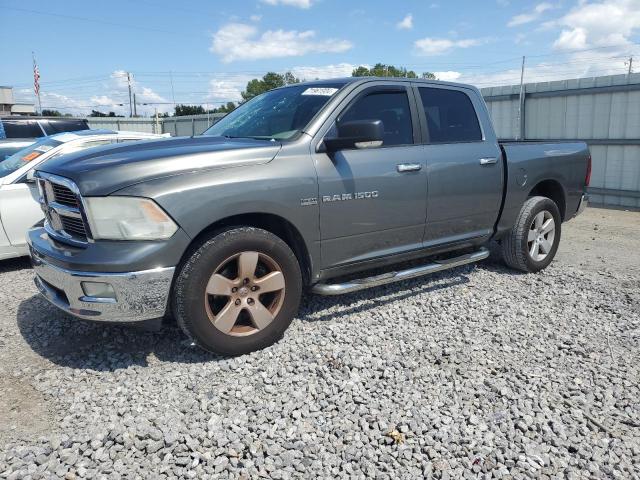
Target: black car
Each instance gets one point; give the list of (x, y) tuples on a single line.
[(33, 127)]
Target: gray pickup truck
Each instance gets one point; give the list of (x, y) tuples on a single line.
[(305, 186)]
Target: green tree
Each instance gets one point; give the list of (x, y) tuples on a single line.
[(268, 82), (384, 70), (96, 113), (51, 113), (229, 107), (181, 110)]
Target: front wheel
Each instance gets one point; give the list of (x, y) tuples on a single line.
[(533, 241), (238, 292)]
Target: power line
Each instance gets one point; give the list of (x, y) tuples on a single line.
[(103, 22)]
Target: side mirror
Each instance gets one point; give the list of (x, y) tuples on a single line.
[(356, 134), (31, 176)]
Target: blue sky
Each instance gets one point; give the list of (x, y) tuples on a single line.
[(212, 48)]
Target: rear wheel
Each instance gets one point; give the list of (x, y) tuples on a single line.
[(238, 292), (533, 241)]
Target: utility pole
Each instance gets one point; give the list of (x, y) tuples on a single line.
[(135, 105), (173, 95), (521, 125), (130, 99), (630, 66)]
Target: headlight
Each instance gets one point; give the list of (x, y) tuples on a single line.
[(127, 218)]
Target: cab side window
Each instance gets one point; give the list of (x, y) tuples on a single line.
[(450, 116), (392, 107)]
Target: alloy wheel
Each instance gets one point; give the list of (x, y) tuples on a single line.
[(245, 293), (541, 235)]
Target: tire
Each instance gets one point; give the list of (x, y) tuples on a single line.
[(226, 309), (527, 247)]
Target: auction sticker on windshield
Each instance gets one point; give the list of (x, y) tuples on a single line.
[(327, 92)]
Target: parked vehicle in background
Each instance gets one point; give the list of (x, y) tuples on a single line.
[(19, 206), (298, 187), (9, 146), (35, 127)]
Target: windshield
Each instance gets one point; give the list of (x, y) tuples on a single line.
[(26, 155), (278, 114)]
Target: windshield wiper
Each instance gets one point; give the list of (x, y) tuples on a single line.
[(248, 136)]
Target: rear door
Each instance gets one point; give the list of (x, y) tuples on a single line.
[(464, 165), (372, 200)]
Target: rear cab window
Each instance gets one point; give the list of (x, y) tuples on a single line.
[(450, 116)]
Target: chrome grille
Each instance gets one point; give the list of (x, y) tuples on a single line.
[(62, 206), (74, 226), (64, 195)]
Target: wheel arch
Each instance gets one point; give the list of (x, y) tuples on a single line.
[(553, 190), (279, 226)]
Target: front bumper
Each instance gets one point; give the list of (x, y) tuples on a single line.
[(137, 296)]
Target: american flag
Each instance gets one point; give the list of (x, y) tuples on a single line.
[(36, 77)]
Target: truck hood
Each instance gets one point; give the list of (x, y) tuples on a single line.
[(104, 170)]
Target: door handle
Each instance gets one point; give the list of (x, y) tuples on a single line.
[(488, 161), (408, 167)]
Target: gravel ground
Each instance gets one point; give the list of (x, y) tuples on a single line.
[(472, 373)]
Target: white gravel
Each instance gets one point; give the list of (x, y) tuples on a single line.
[(473, 373)]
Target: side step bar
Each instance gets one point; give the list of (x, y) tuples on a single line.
[(390, 277)]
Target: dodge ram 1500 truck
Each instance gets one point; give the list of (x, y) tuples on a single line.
[(302, 186)]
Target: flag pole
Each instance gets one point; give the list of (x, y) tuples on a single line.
[(36, 81)]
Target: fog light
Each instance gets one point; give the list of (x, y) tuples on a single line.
[(98, 290)]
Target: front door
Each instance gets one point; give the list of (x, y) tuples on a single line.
[(373, 200)]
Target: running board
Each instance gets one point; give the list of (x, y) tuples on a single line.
[(390, 277)]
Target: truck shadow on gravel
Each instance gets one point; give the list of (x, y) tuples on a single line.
[(79, 344), (14, 264)]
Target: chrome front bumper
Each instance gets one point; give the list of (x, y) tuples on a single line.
[(138, 296)]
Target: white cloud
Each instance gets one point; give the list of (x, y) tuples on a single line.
[(440, 46), (530, 16), (571, 39), (598, 24), (406, 23), (255, 18), (327, 71), (227, 88), (239, 41), (291, 3), (448, 76), (574, 65)]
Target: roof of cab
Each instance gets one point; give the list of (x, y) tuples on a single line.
[(353, 80)]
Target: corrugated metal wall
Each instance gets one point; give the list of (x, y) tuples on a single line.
[(147, 125), (603, 111), (176, 126)]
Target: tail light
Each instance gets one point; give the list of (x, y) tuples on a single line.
[(587, 178)]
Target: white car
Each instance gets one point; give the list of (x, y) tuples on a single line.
[(19, 206)]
